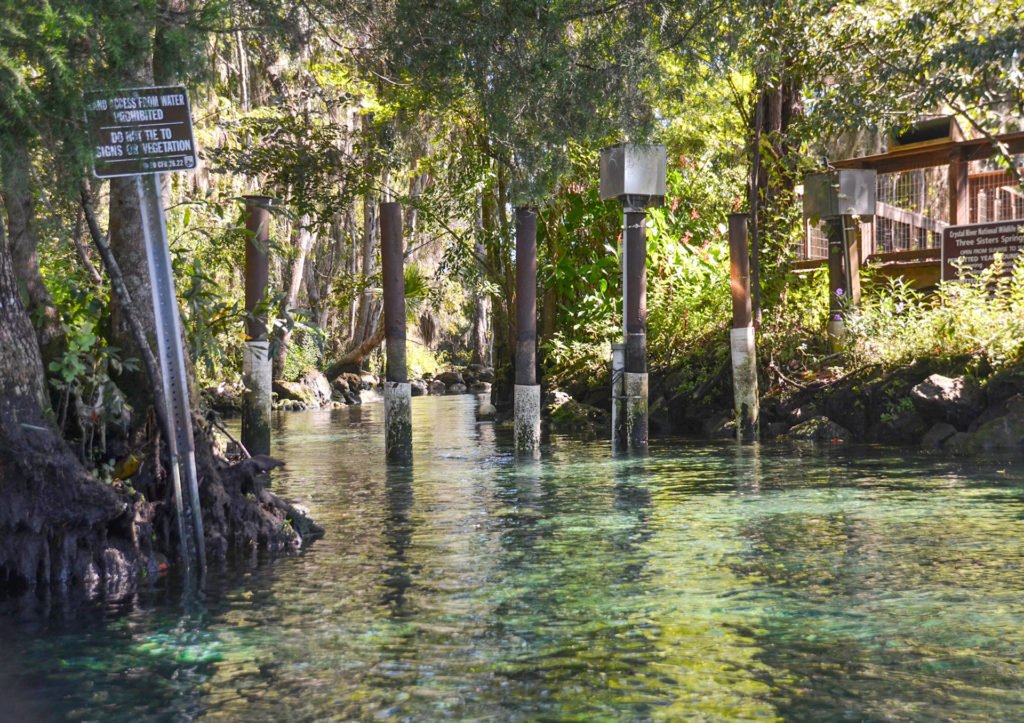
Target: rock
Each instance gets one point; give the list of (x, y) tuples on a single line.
[(475, 369), (319, 387), (486, 411), (937, 435), (899, 425), (1004, 384), (261, 464), (291, 405), (313, 391), (353, 381), (343, 392), (486, 375), (573, 416), (368, 381), (553, 399), (721, 425), (437, 387), (774, 430), (1002, 433), (427, 376), (601, 397), (818, 429), (456, 389), (293, 392), (802, 413), (451, 377), (371, 396), (418, 387), (468, 377), (224, 398), (480, 387), (1012, 405), (961, 444), (942, 399)]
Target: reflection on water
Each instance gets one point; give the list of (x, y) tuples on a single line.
[(714, 581)]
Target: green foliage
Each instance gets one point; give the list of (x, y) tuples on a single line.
[(884, 63), (82, 376), (688, 298), (212, 321), (305, 353), (514, 64), (688, 259), (980, 316), (793, 328), (324, 105)]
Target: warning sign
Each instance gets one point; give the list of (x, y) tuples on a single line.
[(136, 131), (977, 244)]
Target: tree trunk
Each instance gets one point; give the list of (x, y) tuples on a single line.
[(502, 303), (54, 520), (366, 299), (305, 238), (322, 271), (550, 298), (478, 329), (19, 202), (364, 314), (128, 246), (22, 382), (352, 265), (355, 358), (773, 173)]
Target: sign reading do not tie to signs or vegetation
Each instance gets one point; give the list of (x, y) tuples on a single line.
[(977, 244), (137, 131)]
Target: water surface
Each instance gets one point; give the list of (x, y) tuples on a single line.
[(703, 581)]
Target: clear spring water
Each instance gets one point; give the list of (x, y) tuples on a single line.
[(703, 581)]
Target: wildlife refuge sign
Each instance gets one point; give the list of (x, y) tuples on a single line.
[(977, 244)]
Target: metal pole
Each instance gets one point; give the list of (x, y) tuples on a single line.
[(527, 391), (741, 336), (257, 367), (174, 375), (397, 390), (636, 328), (836, 282), (619, 442)]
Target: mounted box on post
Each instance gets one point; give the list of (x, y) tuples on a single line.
[(634, 174), (843, 192)]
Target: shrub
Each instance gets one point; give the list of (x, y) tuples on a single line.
[(979, 316)]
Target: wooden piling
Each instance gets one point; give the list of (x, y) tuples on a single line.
[(397, 390), (257, 368), (741, 336), (527, 391), (635, 377)]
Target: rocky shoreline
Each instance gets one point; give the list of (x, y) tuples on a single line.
[(937, 405), (314, 391), (932, 404)]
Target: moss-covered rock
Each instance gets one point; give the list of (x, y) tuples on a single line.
[(571, 416), (818, 429)]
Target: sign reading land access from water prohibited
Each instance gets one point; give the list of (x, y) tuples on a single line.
[(136, 131), (978, 243)]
